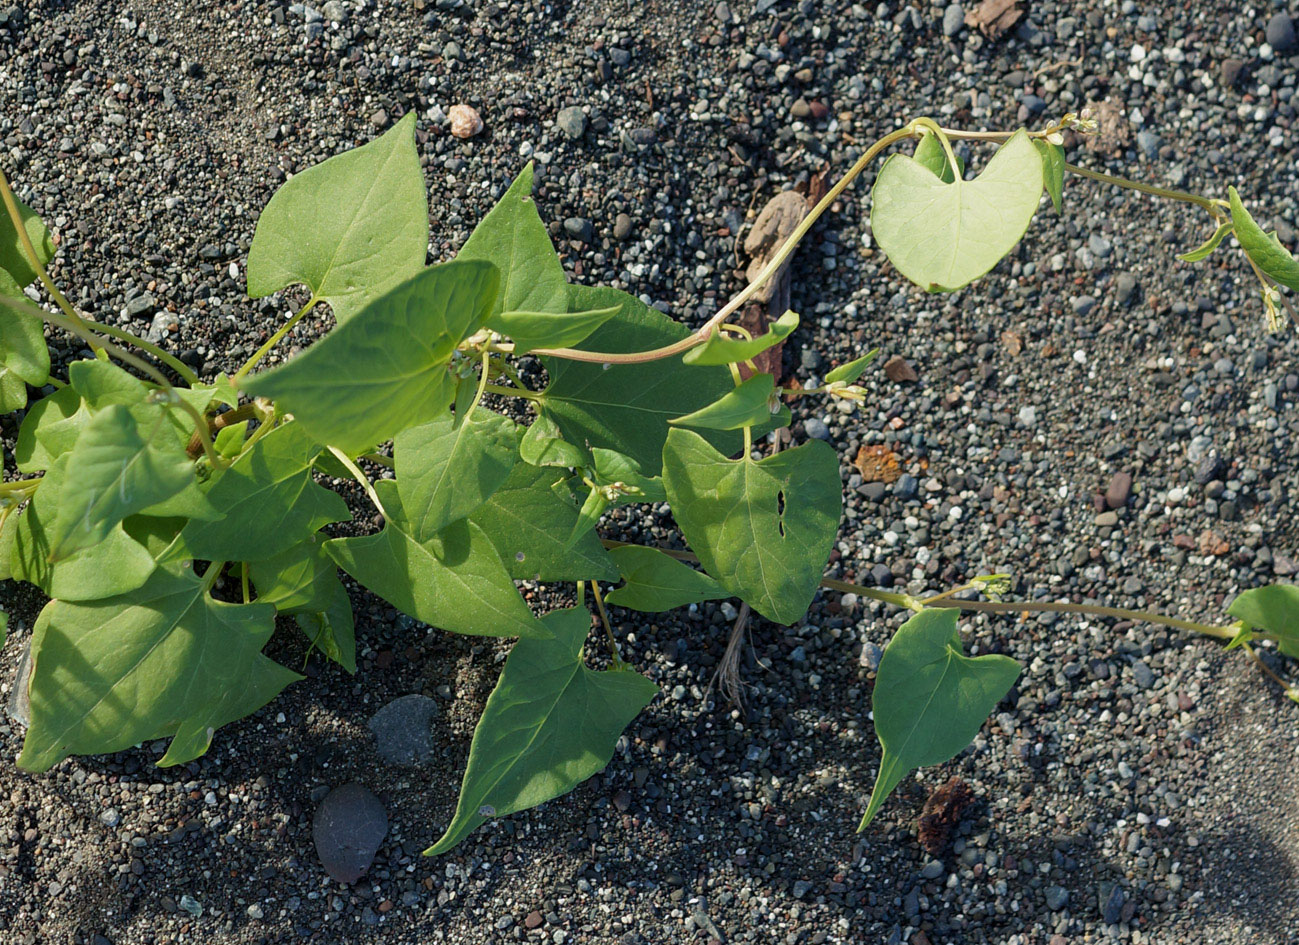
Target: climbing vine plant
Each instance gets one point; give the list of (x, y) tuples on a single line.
[(171, 519)]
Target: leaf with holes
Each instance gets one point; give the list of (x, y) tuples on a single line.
[(930, 699), (764, 529), (549, 724), (350, 228), (943, 236), (163, 660)]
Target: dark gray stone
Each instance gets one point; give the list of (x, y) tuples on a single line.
[(402, 730), (1280, 32), (572, 122), (349, 825), (953, 19)]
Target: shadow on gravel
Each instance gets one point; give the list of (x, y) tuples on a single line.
[(1248, 881)]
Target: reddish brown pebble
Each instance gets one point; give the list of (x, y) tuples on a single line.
[(899, 371), (533, 920)]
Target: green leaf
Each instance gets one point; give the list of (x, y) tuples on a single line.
[(8, 539), (552, 329), (303, 582), (1263, 248), (1053, 163), (621, 471), (588, 516), (930, 154), (763, 529), (719, 350), (1274, 609), (117, 468), (270, 500), (385, 369), (350, 228), (116, 565), (1206, 248), (528, 523), (930, 699), (543, 444), (626, 407), (445, 469), (4, 627), (163, 660), (13, 391), (13, 255), (850, 372), (454, 580), (229, 441), (102, 384), (513, 239), (49, 430), (656, 582), (747, 405), (549, 724), (944, 236), (22, 346)]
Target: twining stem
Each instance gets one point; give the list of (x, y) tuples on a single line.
[(1214, 207), (608, 628), (272, 341), (11, 205)]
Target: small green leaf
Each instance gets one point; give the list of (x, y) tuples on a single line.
[(549, 724), (384, 369), (163, 660), (531, 330), (49, 430), (850, 372), (13, 391), (454, 580), (4, 627), (1263, 248), (445, 469), (544, 445), (350, 228), (1053, 163), (746, 406), (719, 350), (1208, 246), (621, 471), (626, 407), (930, 154), (528, 522), (930, 699), (117, 468), (13, 255), (588, 517), (1274, 609), (944, 236), (303, 582), (270, 500), (656, 582), (513, 239), (229, 441), (764, 529)]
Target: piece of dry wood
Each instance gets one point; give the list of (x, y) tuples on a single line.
[(993, 17), (941, 813), (776, 222)]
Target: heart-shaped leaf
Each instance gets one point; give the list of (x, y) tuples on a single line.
[(943, 236)]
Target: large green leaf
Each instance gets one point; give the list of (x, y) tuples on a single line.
[(49, 430), (549, 724), (303, 582), (454, 580), (627, 407), (349, 228), (163, 660), (1273, 609), (656, 582), (118, 467), (513, 239), (529, 523), (763, 529), (943, 236), (385, 369), (1263, 248), (116, 565), (270, 500), (930, 698), (447, 468)]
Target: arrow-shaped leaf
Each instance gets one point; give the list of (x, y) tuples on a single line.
[(719, 350), (656, 582)]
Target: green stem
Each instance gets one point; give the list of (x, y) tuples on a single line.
[(360, 477), (243, 581), (1212, 206), (180, 367), (608, 628), (271, 342), (16, 217), (379, 459), (512, 392), (213, 572)]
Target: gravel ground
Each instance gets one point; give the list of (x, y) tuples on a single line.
[(1135, 786)]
